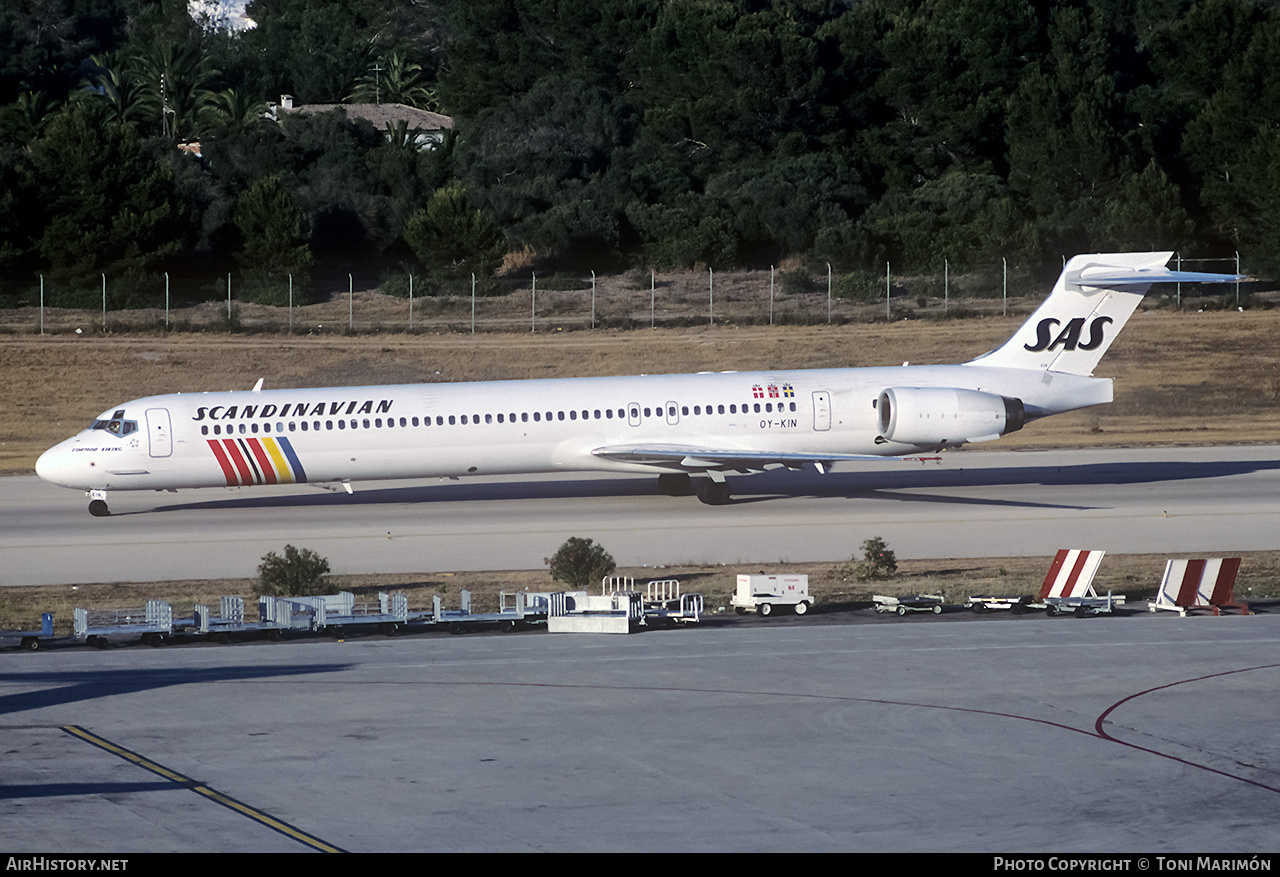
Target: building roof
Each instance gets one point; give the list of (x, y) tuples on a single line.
[(380, 115)]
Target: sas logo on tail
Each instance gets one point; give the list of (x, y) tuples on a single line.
[(1069, 337)]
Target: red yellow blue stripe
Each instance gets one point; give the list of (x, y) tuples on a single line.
[(247, 461)]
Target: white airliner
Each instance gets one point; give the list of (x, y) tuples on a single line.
[(674, 425)]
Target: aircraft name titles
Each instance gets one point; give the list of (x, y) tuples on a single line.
[(290, 409)]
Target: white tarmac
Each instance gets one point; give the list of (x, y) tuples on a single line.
[(972, 504)]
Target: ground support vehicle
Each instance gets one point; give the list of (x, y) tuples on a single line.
[(903, 605), (766, 593), (152, 624), (662, 602), (1082, 607), (30, 640)]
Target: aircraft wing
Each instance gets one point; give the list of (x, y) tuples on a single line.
[(698, 459)]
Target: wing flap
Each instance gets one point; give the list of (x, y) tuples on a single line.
[(695, 459)]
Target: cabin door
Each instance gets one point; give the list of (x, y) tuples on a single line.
[(159, 432), (821, 411)]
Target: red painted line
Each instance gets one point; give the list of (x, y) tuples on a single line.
[(1191, 583), (1058, 560), (264, 462), (1081, 559), (227, 469), (1224, 588), (233, 451)]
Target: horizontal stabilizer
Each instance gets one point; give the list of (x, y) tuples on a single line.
[(1094, 296)]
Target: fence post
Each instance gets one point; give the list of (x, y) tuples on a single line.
[(104, 302), (351, 306), (711, 292), (473, 303), (828, 293), (887, 290), (41, 304), (653, 286), (946, 285), (290, 304), (593, 299), (770, 295), (1005, 262), (410, 302), (228, 301), (166, 301), (533, 301)]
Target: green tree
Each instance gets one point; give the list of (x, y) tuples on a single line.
[(397, 80), (274, 235), (299, 573), (878, 561), (452, 239), (579, 563), (110, 206)]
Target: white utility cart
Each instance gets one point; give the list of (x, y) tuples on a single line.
[(765, 594)]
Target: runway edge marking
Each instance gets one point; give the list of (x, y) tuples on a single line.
[(201, 789)]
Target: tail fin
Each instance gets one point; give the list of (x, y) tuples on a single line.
[(1094, 296)]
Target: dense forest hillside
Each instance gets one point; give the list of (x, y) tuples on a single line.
[(617, 133)]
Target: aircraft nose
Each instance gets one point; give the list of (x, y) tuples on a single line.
[(54, 465)]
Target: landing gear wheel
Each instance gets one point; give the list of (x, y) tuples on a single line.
[(98, 508), (714, 492)]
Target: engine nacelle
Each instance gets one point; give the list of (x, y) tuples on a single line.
[(946, 415)]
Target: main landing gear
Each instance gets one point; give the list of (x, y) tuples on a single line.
[(98, 504), (712, 490)]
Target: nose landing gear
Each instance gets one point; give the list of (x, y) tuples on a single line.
[(98, 504)]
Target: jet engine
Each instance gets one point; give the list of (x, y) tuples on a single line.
[(946, 415)]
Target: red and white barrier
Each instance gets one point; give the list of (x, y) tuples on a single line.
[(1199, 584)]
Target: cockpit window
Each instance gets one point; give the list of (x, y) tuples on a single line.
[(116, 424)]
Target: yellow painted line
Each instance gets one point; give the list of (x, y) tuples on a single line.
[(283, 471), (201, 789)]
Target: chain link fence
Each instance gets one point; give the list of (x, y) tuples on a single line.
[(566, 301)]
